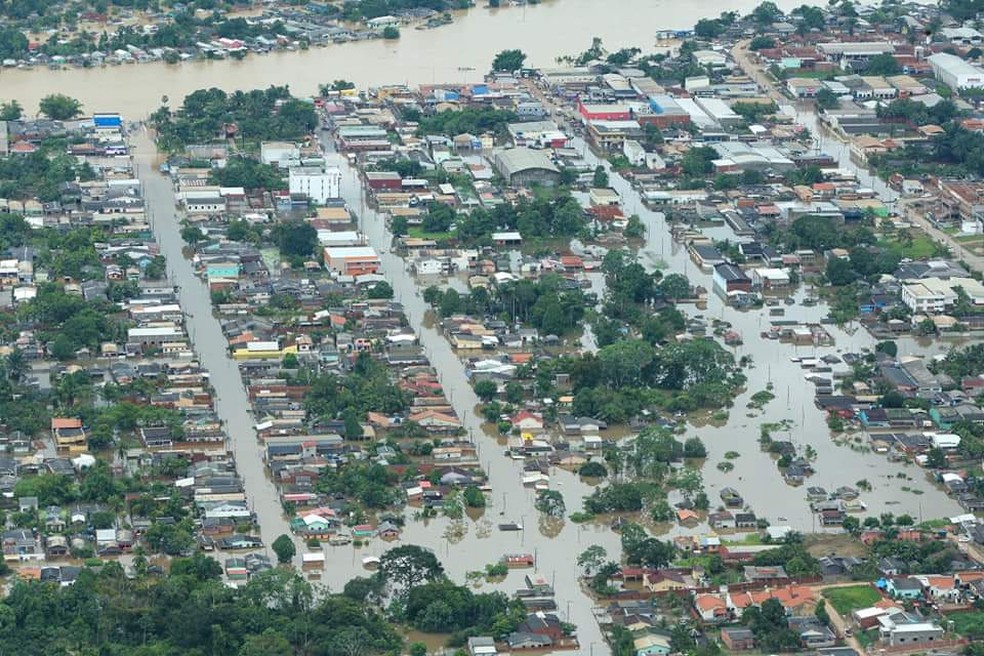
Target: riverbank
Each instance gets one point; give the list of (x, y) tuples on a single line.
[(543, 31)]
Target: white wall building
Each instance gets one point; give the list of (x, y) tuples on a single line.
[(955, 72), (279, 153), (317, 184), (934, 296)]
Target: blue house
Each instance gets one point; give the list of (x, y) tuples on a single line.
[(902, 587)]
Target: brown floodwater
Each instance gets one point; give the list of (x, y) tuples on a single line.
[(474, 541), (460, 52)]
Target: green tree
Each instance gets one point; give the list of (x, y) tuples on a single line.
[(884, 64), (766, 13), (410, 565), (390, 32), (353, 424), (592, 558), (192, 234), (936, 459), (269, 643), (839, 272), (693, 447), (381, 289), (600, 179), (284, 548), (473, 497), (296, 238), (708, 28), (11, 111), (827, 99), (762, 43), (486, 390), (399, 226), (508, 60), (551, 503), (60, 107), (889, 348), (593, 469)]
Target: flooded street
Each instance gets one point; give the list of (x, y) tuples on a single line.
[(456, 53), (556, 543), (211, 347), (469, 544), (755, 475)]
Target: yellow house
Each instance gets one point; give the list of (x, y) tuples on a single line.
[(263, 350)]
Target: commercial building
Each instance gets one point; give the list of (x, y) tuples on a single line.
[(608, 112), (934, 296), (320, 185), (279, 153), (665, 112), (352, 260), (729, 278), (610, 135), (542, 134), (719, 111), (522, 167), (955, 72)]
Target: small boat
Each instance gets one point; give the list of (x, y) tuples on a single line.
[(511, 526), (370, 562)]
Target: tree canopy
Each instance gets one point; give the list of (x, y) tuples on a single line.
[(508, 60), (208, 115), (59, 107)]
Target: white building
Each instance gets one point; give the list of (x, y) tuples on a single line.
[(279, 153), (955, 72), (317, 184), (934, 296)]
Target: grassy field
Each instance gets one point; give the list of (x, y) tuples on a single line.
[(845, 600), (417, 231), (922, 245), (970, 625)]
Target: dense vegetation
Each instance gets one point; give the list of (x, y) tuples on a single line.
[(189, 612), (548, 304), (471, 120), (367, 388), (208, 115), (40, 174)]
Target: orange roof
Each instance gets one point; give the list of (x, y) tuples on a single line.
[(65, 422), (243, 338), (683, 514), (520, 358), (793, 596), (709, 602), (943, 582)]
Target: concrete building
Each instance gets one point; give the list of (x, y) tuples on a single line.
[(352, 260), (955, 72), (935, 296), (320, 185), (522, 167), (279, 153), (719, 111), (906, 634), (729, 278)]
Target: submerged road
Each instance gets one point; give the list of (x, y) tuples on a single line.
[(211, 346), (805, 113), (510, 501)]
